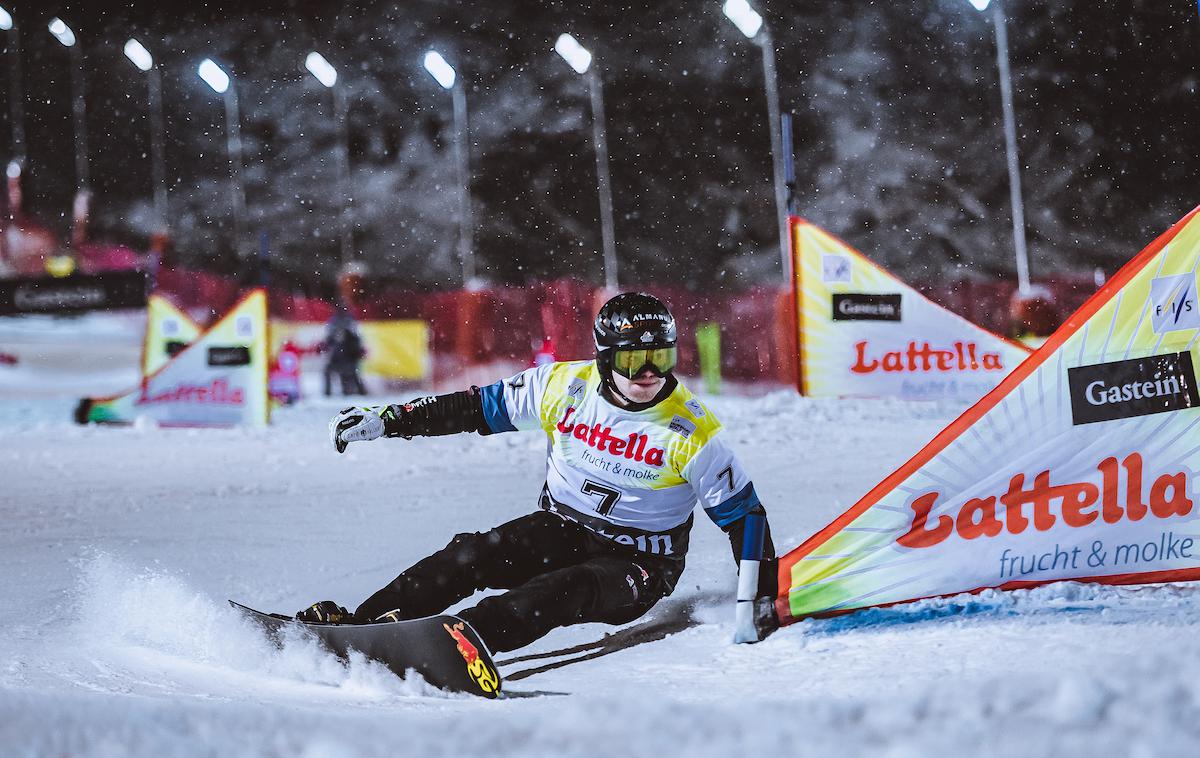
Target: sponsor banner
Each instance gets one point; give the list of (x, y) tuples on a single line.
[(229, 355), (863, 332), (397, 349), (853, 306), (1082, 464), (218, 380), (168, 331), (1136, 387), (72, 294)]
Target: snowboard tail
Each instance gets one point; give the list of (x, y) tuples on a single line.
[(443, 649)]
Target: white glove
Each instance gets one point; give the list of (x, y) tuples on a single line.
[(355, 425)]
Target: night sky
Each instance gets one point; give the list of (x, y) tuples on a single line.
[(898, 140)]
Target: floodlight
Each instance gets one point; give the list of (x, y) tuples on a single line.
[(575, 54), (213, 76), (321, 68), (980, 5), (6, 21), (439, 69), (140, 56), (745, 18), (61, 31)]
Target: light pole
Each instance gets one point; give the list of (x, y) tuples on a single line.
[(220, 83), (441, 71), (140, 57), (750, 23), (66, 36), (16, 93), (10, 240), (327, 75), (578, 58), (1010, 143)]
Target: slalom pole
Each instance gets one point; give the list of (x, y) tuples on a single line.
[(747, 591)]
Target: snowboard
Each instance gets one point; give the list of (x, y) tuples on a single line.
[(444, 649)]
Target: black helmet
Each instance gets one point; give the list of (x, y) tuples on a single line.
[(635, 321)]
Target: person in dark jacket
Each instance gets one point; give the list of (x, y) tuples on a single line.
[(343, 350)]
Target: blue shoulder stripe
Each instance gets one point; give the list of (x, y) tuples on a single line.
[(495, 412), (735, 507)]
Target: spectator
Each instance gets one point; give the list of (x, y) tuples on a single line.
[(343, 350)]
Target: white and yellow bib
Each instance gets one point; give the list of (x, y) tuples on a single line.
[(631, 476)]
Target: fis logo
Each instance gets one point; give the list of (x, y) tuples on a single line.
[(244, 326), (835, 268), (1173, 303)]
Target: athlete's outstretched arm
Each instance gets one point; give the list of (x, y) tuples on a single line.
[(430, 416), (499, 407), (436, 415)]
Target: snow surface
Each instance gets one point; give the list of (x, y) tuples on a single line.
[(119, 547)]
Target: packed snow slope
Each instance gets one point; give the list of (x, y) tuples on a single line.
[(119, 547)]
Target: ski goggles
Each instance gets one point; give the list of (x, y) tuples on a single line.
[(631, 363)]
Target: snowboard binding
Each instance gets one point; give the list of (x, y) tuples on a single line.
[(325, 612)]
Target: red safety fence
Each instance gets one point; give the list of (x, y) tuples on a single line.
[(990, 304), (507, 324)]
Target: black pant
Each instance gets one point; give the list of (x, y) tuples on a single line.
[(557, 573), (347, 374)]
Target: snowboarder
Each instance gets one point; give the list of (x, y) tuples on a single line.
[(631, 453)]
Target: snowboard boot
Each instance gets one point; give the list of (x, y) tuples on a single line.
[(325, 612)]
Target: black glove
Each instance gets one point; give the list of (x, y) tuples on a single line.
[(766, 620)]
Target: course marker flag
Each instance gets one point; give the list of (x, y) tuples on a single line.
[(864, 333), (1081, 465), (218, 380), (168, 331)]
